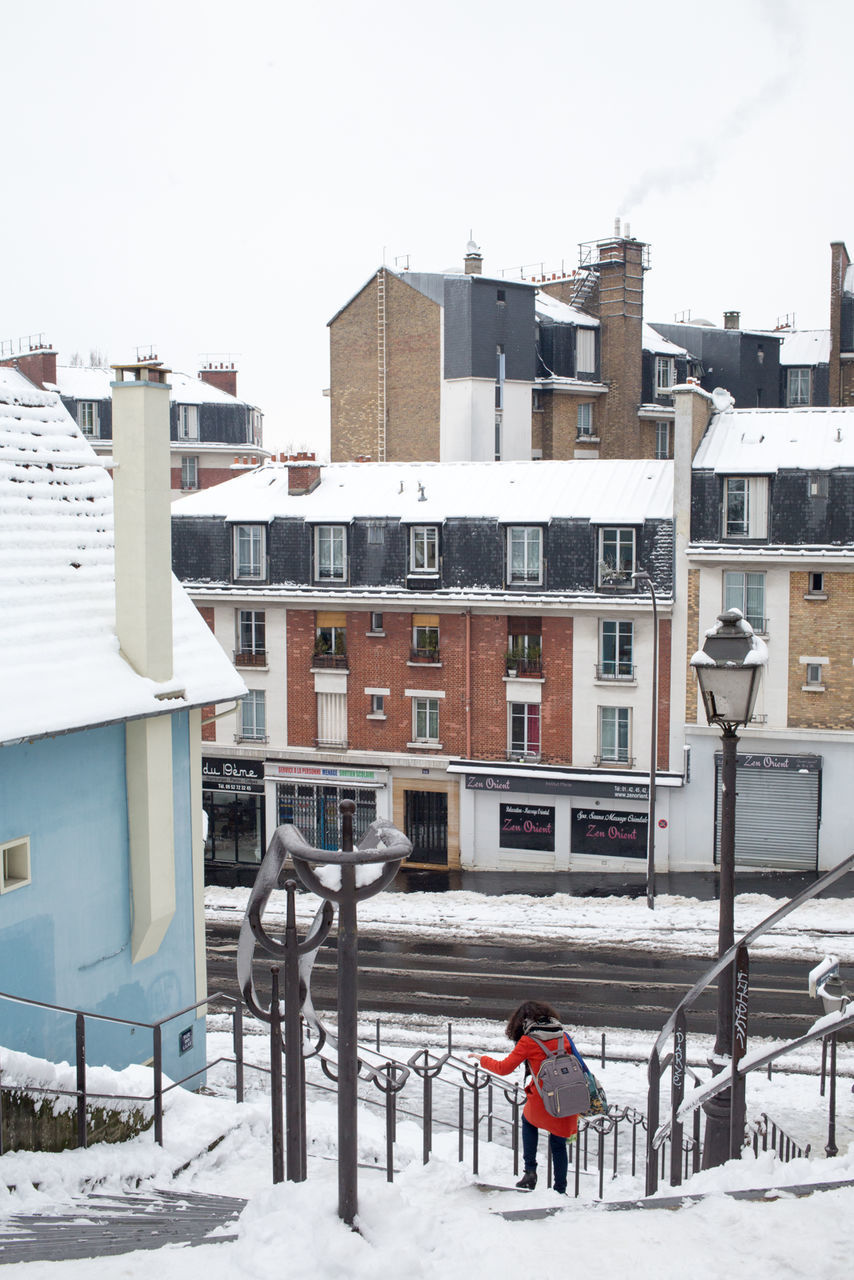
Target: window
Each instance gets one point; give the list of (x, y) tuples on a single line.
[(746, 591), (616, 557), (251, 637), (664, 374), (188, 422), (614, 734), (378, 704), (189, 473), (377, 623), (524, 555), (814, 678), (14, 864), (501, 295), (525, 647), (585, 351), (662, 439), (330, 639), (250, 551), (496, 448), (815, 585), (330, 553), (524, 729), (536, 400), (424, 549), (332, 720), (746, 507), (425, 719), (252, 716), (584, 421), (616, 644), (87, 417), (818, 484), (425, 637), (797, 386), (376, 533)]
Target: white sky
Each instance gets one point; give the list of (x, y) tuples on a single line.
[(211, 177)]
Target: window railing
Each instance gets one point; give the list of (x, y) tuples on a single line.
[(424, 653), (336, 661), (251, 737), (615, 671), (625, 762), (524, 666), (332, 742), (250, 657), (519, 753)]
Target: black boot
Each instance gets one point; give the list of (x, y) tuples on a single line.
[(528, 1180)]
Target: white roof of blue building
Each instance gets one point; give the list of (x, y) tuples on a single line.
[(763, 441), (602, 491), (60, 665)]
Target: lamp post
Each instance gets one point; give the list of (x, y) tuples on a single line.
[(641, 576), (729, 668)]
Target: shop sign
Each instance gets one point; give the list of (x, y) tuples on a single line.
[(786, 764), (232, 775), (326, 773), (610, 835), (526, 826), (507, 782)]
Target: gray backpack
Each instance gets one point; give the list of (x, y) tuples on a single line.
[(560, 1079)]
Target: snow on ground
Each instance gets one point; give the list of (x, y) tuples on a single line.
[(683, 925), (433, 1220)]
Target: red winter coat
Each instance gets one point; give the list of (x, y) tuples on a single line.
[(528, 1050)]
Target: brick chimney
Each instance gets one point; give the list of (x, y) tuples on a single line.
[(220, 373), (732, 319), (473, 259), (303, 473), (620, 266), (839, 264), (35, 359)]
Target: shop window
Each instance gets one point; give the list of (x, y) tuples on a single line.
[(584, 419), (616, 557), (235, 826), (188, 422), (424, 549), (745, 507), (425, 721), (250, 555), (314, 811), (524, 555), (251, 647), (252, 717), (616, 650), (662, 440), (523, 741), (14, 864), (797, 387), (615, 735), (330, 553), (746, 591), (189, 473), (87, 418)]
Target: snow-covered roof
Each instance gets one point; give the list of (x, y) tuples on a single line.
[(805, 347), (627, 492), (94, 384), (60, 665), (652, 341), (562, 312), (763, 441)]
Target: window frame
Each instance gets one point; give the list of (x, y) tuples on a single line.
[(188, 422), (796, 378), (375, 625), (752, 523), (622, 726), (247, 624), (248, 725), (662, 447), (731, 589), (584, 429), (332, 533), (425, 710), (16, 870), (424, 539), (525, 716), (624, 578), (585, 349), (88, 409), (527, 576), (257, 535), (665, 375), (186, 460), (621, 670)]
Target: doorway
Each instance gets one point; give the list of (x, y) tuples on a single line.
[(426, 825)]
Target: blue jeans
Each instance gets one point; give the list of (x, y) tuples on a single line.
[(560, 1156)]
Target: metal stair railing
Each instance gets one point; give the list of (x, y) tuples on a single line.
[(733, 1074)]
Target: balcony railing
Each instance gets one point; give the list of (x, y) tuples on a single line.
[(518, 753), (525, 666), (614, 671), (336, 661), (615, 762), (250, 657), (423, 653)]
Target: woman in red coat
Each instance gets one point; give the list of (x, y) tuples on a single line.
[(541, 1019)]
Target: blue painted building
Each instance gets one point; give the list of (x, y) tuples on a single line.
[(104, 668)]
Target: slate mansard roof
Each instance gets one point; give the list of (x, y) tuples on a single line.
[(60, 665)]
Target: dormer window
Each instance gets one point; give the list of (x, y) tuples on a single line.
[(424, 549), (188, 422), (585, 351), (665, 370), (250, 560), (87, 418), (525, 555), (616, 557), (797, 387), (745, 507), (330, 553)]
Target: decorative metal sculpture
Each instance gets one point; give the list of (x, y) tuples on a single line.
[(361, 873)]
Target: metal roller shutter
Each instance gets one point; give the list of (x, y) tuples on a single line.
[(776, 819)]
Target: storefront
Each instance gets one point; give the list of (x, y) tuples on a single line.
[(560, 820), (778, 811), (308, 796), (233, 798)]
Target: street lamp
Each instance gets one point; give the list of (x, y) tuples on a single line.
[(729, 668)]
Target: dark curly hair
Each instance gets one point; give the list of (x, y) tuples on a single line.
[(529, 1011)]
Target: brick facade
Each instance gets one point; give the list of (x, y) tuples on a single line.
[(665, 657), (822, 629)]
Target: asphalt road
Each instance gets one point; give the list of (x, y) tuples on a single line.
[(590, 987)]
